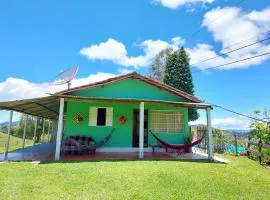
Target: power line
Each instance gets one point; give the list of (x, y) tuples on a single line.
[(228, 52), (264, 54), (247, 39), (238, 113)]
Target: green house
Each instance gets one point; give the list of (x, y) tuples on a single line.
[(132, 105), (116, 102)]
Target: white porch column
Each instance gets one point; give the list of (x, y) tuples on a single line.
[(8, 136), (209, 135), (24, 130), (59, 129), (35, 132), (141, 131)]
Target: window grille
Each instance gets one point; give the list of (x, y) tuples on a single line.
[(167, 122)]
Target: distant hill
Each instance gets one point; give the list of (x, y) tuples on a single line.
[(228, 131), (6, 123)]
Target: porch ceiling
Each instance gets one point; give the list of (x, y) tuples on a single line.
[(46, 107)]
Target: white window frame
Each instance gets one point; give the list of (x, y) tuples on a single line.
[(93, 112), (155, 121)]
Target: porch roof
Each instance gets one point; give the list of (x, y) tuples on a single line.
[(48, 107)]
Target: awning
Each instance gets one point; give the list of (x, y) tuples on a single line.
[(46, 107)]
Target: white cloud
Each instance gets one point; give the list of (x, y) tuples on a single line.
[(233, 25), (226, 123), (115, 51), (174, 4), (15, 88)]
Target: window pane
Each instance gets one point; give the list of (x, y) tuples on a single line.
[(101, 117)]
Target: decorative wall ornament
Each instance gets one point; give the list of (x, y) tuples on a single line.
[(122, 119), (78, 119)]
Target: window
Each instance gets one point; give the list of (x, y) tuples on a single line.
[(100, 116), (167, 121)]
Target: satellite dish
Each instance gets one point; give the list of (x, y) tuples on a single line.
[(65, 77)]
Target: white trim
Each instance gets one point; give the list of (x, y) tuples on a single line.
[(59, 129), (127, 149), (93, 112), (141, 131)]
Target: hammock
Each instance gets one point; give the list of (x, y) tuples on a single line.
[(102, 142), (81, 145), (176, 146)]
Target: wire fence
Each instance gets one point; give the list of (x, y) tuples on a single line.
[(223, 142)]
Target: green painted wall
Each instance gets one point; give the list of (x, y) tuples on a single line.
[(122, 136), (129, 88)]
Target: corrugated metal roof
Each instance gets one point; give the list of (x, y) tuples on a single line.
[(46, 107)]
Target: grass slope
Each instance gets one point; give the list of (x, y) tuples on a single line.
[(241, 179), (14, 143)]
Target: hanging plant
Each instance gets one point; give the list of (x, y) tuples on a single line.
[(122, 119)]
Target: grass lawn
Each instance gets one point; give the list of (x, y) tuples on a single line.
[(241, 179), (14, 143)]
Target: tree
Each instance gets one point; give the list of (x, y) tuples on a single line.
[(30, 127), (157, 69), (178, 75), (261, 130)]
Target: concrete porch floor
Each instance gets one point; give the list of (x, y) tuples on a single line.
[(34, 153), (45, 151)]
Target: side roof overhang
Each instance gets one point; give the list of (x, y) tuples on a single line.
[(134, 75), (46, 107)]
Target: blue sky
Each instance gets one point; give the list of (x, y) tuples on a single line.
[(107, 38)]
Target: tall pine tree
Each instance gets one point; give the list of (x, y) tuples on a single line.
[(178, 75)]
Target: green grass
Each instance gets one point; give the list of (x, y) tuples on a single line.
[(14, 143), (240, 179)]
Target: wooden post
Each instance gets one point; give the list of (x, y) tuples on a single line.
[(24, 130), (35, 132), (260, 150), (209, 135), (59, 129), (8, 136), (235, 144), (49, 131), (248, 147), (141, 131), (43, 131)]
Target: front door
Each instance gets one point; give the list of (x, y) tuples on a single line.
[(136, 128)]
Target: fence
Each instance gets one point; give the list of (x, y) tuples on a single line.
[(258, 149), (198, 133), (223, 142)]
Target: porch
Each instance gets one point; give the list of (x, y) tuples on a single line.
[(53, 108)]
